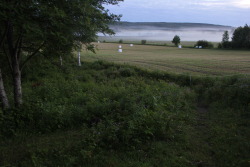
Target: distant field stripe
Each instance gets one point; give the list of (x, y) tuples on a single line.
[(171, 59), (175, 67)]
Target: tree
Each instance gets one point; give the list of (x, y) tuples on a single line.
[(3, 95), (34, 27), (241, 37), (176, 40), (225, 37), (225, 43)]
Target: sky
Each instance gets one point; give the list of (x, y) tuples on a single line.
[(223, 12)]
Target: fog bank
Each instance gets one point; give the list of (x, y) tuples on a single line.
[(166, 32)]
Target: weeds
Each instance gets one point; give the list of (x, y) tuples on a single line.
[(102, 114)]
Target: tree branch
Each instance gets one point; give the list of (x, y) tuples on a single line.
[(18, 43), (8, 58), (19, 48), (4, 35), (32, 55), (10, 38)]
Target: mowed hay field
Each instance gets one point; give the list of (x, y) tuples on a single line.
[(193, 61)]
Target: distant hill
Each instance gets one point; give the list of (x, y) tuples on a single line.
[(167, 26)]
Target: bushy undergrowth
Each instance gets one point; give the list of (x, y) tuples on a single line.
[(204, 44), (227, 100), (116, 107), (230, 91), (120, 109)]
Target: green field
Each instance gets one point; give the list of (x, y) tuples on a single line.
[(193, 61)]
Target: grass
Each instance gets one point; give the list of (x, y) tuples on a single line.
[(110, 115), (99, 114), (202, 62), (127, 40)]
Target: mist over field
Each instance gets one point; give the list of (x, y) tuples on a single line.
[(166, 31)]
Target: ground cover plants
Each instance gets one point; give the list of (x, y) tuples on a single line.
[(105, 114), (112, 108)]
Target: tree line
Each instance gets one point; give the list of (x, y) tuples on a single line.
[(46, 28), (240, 39)]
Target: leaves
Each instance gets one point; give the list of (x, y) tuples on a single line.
[(176, 40), (241, 37), (59, 23)]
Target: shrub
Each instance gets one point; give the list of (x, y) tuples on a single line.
[(109, 98), (126, 72), (120, 41), (227, 44), (204, 44), (220, 45), (143, 42)]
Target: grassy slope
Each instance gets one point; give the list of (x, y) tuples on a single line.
[(194, 61), (75, 116)]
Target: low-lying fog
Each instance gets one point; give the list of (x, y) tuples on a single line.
[(213, 34), (159, 35)]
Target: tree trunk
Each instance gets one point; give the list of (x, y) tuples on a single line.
[(3, 96), (15, 53), (17, 85)]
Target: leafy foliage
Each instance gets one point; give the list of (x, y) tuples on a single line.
[(225, 43), (50, 28), (225, 37), (143, 42), (119, 115), (120, 41), (204, 44), (60, 101), (176, 40), (241, 37)]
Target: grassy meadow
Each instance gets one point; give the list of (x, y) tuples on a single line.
[(202, 62)]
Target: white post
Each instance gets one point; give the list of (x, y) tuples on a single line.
[(61, 60), (79, 58), (120, 49)]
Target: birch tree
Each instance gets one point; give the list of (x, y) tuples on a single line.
[(31, 27)]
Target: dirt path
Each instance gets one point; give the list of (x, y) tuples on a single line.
[(201, 137), (202, 118)]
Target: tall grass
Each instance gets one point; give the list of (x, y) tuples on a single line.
[(103, 114)]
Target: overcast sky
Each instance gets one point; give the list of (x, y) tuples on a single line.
[(223, 12)]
